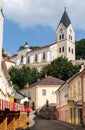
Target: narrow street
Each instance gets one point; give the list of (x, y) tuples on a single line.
[(41, 124), (37, 123)]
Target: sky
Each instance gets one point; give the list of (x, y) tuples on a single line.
[(36, 21)]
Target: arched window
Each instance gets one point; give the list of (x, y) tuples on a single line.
[(61, 36), (22, 58), (70, 37)]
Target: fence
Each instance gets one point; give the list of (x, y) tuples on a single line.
[(13, 120), (11, 106), (13, 116)]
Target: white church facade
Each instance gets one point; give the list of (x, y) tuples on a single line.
[(63, 46)]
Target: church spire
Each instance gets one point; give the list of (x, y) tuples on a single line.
[(65, 19)]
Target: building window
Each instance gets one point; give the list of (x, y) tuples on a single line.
[(25, 93), (28, 59), (62, 49), (59, 49), (72, 51), (61, 36), (70, 37), (28, 94), (43, 55), (35, 57), (43, 92), (69, 49), (22, 59)]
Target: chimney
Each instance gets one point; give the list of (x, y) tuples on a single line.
[(46, 76), (82, 66), (27, 85)]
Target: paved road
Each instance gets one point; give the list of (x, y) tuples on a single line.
[(37, 123), (42, 124)]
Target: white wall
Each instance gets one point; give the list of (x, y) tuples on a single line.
[(1, 35), (50, 95)]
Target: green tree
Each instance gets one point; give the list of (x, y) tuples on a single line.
[(80, 49), (21, 76), (60, 68)]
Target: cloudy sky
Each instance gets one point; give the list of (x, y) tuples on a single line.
[(36, 21)]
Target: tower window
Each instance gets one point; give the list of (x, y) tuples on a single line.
[(59, 49), (61, 36), (70, 37), (62, 49)]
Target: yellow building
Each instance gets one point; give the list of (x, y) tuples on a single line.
[(71, 99)]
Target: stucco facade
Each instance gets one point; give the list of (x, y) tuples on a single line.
[(71, 99), (42, 91)]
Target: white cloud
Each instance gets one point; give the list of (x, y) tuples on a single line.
[(29, 13)]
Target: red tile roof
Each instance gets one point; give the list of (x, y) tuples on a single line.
[(42, 47), (49, 80)]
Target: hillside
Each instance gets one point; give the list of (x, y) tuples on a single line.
[(80, 49)]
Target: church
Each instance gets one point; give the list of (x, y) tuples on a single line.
[(63, 46)]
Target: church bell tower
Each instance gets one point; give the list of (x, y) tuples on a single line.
[(65, 38)]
